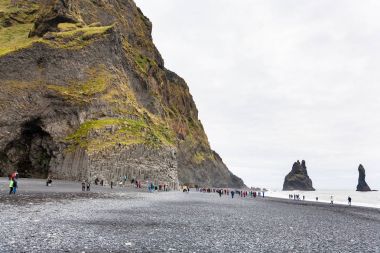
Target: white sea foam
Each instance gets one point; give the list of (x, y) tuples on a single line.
[(368, 199)]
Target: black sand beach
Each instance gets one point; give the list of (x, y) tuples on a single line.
[(63, 219)]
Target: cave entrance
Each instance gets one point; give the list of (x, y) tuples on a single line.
[(32, 152)]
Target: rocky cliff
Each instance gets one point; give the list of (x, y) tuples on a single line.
[(298, 179), (362, 184), (84, 93)]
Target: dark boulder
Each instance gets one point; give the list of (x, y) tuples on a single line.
[(298, 178), (362, 184)]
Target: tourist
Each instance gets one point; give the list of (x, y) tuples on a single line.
[(232, 194), (14, 186), (11, 182), (88, 186), (111, 185), (220, 193), (152, 187), (331, 200), (48, 181), (96, 181), (102, 182), (303, 197), (316, 198), (83, 186), (349, 200)]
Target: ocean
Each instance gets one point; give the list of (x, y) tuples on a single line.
[(368, 199)]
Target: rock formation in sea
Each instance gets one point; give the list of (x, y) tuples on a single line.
[(362, 184), (298, 179), (84, 93)]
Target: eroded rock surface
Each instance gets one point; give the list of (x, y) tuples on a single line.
[(84, 93)]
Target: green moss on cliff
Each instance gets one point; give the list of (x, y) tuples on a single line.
[(15, 23), (144, 63), (97, 83), (20, 12), (96, 135), (64, 27), (15, 38), (76, 37)]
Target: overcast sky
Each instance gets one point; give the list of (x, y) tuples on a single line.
[(278, 81)]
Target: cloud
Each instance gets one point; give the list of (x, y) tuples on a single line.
[(277, 81)]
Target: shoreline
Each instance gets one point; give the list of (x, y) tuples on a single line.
[(321, 204), (124, 220), (36, 190)]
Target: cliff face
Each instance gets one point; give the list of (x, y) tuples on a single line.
[(298, 179), (362, 184), (84, 93)]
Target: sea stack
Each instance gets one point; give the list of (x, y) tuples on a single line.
[(298, 179), (362, 184)]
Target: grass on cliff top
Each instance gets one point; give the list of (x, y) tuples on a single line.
[(126, 132)]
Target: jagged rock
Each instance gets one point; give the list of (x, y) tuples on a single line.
[(83, 101), (52, 13), (362, 184), (298, 178)]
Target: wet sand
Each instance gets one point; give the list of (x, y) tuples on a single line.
[(61, 218)]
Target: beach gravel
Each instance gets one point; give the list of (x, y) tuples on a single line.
[(128, 221)]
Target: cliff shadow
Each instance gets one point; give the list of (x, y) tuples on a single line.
[(30, 152)]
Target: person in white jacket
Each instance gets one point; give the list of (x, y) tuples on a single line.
[(331, 199)]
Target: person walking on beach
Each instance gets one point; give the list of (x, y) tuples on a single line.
[(316, 198), (349, 200), (11, 182), (14, 186), (331, 200), (48, 181)]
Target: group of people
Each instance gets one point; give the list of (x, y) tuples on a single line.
[(86, 185), (228, 192), (123, 180), (297, 197)]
